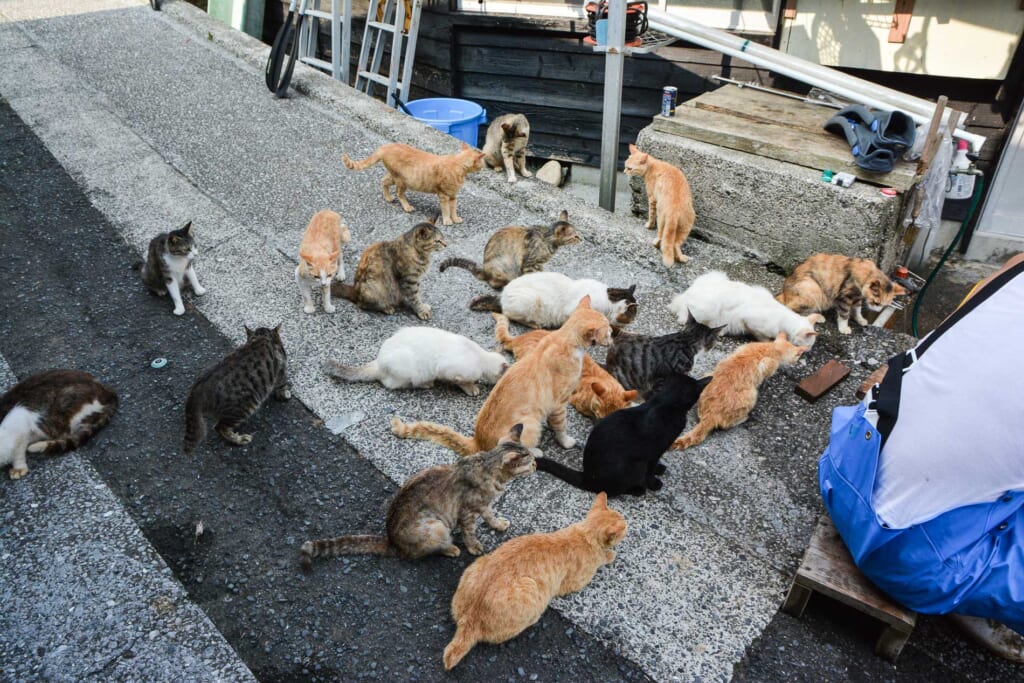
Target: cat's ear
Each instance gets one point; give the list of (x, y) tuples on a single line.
[(584, 303), (631, 290), (304, 255), (563, 216), (600, 503), (515, 434), (507, 127), (464, 147), (781, 337), (277, 330), (630, 395), (690, 320), (632, 148), (598, 390), (704, 381), (876, 288), (187, 228), (435, 219), (613, 532), (898, 290), (248, 332), (333, 256), (719, 331)]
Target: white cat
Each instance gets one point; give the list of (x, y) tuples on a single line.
[(744, 309), (546, 300), (416, 357)]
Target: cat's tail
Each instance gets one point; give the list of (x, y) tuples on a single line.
[(439, 434), (353, 373), (344, 291), (557, 469), (464, 263), (195, 425), (501, 333), (460, 646), (692, 437), (360, 165), (488, 302), (89, 426), (344, 545)]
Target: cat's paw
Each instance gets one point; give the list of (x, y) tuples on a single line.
[(609, 555), (179, 310), (565, 441), (39, 446), (682, 258), (511, 178), (330, 308), (656, 243), (283, 394), (527, 174), (244, 439), (309, 309), (861, 320), (651, 225), (199, 291), (17, 472), (500, 524), (475, 548), (845, 329), (424, 312), (451, 551), (654, 484), (660, 468), (457, 219)]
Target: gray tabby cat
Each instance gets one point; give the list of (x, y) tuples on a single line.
[(516, 249), (52, 412), (644, 363), (234, 389), (437, 500), (169, 262), (505, 145)]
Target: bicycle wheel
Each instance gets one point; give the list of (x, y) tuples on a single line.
[(283, 55)]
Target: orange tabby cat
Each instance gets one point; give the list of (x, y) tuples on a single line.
[(598, 394), (320, 258), (413, 169), (826, 281), (502, 594), (533, 390), (732, 393), (670, 202)]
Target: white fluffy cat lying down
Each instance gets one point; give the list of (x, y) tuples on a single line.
[(744, 309)]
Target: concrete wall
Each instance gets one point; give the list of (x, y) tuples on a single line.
[(780, 212)]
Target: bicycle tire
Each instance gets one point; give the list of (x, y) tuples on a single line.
[(155, 4), (293, 56), (285, 45)]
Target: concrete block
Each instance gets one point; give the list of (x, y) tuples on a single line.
[(780, 212)]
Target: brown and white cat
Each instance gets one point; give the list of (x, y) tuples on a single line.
[(320, 258), (505, 145), (827, 281), (532, 391), (515, 250), (436, 501), (51, 412), (505, 592), (669, 200), (598, 393), (413, 169), (732, 392), (388, 275)]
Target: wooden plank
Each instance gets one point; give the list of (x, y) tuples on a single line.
[(828, 569), (901, 16), (571, 96), (816, 385)]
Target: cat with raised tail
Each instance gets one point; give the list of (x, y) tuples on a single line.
[(416, 357), (515, 250), (732, 393), (623, 452), (598, 393), (502, 594), (531, 392), (505, 145), (320, 258), (413, 169), (389, 273), (669, 201), (52, 412), (827, 281), (170, 264), (743, 309), (546, 300), (436, 501)]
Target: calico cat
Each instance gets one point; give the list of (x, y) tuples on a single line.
[(502, 594), (642, 363), (234, 389), (743, 309), (414, 169), (598, 393), (532, 391), (416, 357), (505, 145), (51, 412), (669, 200), (436, 501), (320, 258), (546, 300), (515, 250), (732, 393), (624, 450), (388, 275), (827, 281), (169, 263)]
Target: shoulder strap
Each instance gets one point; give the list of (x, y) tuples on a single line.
[(888, 404)]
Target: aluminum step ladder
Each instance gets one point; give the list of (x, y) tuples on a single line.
[(399, 18), (339, 23)]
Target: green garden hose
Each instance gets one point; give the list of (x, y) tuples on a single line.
[(979, 185)]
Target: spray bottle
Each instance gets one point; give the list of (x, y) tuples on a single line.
[(960, 184)]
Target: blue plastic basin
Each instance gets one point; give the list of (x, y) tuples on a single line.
[(459, 118)]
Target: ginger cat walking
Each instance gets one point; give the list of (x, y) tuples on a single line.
[(409, 168), (320, 258), (670, 202), (502, 594)]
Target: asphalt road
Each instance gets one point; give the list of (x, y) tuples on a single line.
[(68, 297)]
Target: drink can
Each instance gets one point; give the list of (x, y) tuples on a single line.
[(668, 100)]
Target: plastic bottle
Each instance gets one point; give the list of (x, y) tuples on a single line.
[(960, 185)]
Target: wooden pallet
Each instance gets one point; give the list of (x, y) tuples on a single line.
[(827, 568)]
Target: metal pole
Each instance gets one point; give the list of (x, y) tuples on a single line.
[(346, 42), (614, 63)]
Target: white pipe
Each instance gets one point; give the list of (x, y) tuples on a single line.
[(850, 87)]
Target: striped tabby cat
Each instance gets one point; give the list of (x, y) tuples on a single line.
[(234, 389), (169, 263)]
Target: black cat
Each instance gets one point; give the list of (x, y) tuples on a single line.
[(624, 449)]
